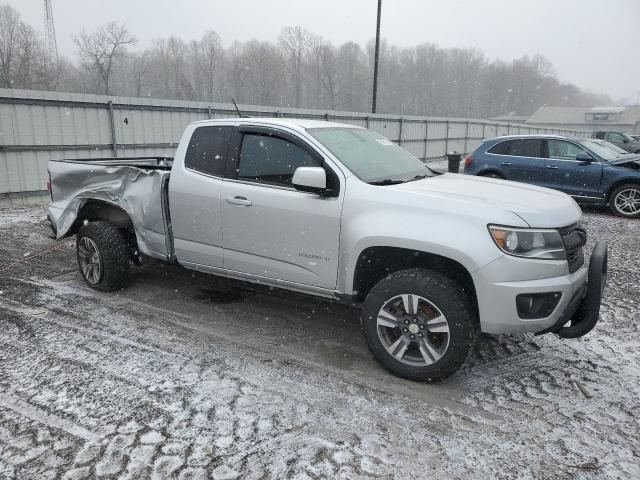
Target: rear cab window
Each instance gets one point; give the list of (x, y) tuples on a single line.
[(207, 150)]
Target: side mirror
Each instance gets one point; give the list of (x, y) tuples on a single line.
[(584, 157), (625, 140), (310, 179)]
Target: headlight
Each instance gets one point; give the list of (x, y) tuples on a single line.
[(529, 243)]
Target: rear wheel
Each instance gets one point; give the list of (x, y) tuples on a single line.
[(103, 256), (625, 200), (418, 324)]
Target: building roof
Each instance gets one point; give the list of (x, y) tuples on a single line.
[(584, 115), (511, 118)]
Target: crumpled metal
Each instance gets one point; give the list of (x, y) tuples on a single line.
[(136, 190)]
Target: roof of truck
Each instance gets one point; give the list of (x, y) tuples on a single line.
[(297, 123)]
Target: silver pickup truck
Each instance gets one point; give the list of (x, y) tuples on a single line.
[(341, 212)]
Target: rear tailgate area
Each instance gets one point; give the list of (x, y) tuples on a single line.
[(137, 186)]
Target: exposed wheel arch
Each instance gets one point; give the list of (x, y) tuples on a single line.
[(376, 263), (98, 210), (491, 174), (624, 199), (619, 183)]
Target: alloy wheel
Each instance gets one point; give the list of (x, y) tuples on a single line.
[(89, 259), (627, 201), (413, 330)]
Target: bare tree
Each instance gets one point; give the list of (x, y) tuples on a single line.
[(264, 64), (421, 80), (99, 49), (237, 72), (296, 42), (10, 26), (324, 64), (140, 70), (206, 57)]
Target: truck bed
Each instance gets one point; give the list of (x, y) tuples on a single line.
[(137, 185)]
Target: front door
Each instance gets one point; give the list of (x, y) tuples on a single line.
[(575, 177), (272, 230)]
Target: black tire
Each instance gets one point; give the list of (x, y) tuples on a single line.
[(440, 292), (616, 201), (112, 255), (491, 175)]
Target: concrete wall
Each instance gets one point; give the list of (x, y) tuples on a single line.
[(36, 127)]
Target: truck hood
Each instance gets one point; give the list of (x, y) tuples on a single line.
[(539, 207)]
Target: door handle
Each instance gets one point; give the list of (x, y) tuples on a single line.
[(506, 163), (552, 167), (239, 201)]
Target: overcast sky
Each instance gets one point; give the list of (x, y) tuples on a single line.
[(594, 44)]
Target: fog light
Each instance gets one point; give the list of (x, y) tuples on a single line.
[(537, 305)]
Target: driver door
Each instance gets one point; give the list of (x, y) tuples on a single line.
[(577, 178), (270, 229)]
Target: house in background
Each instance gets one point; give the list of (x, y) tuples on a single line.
[(623, 119)]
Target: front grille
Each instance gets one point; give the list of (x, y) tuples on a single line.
[(574, 239)]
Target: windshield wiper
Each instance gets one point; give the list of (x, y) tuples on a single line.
[(386, 181), (418, 177)]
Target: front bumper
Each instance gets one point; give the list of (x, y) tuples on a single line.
[(580, 301)]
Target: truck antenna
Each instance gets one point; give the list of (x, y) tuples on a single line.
[(237, 109)]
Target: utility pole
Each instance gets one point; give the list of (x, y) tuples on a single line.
[(375, 62)]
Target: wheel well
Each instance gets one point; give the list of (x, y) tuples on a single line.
[(94, 211), (376, 263), (619, 183), (484, 173)]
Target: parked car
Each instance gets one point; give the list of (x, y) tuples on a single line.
[(620, 139), (587, 169), (636, 137), (341, 212)]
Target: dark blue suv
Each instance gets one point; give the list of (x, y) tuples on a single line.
[(590, 170)]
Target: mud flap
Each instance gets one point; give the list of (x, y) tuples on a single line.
[(586, 317)]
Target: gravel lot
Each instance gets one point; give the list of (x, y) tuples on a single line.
[(172, 379)]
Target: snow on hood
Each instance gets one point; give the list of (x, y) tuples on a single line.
[(538, 206)]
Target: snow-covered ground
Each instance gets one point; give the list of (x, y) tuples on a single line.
[(171, 379)]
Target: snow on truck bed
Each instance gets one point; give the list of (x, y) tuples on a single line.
[(172, 377)]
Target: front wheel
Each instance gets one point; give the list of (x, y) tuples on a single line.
[(418, 324), (103, 256), (625, 201)]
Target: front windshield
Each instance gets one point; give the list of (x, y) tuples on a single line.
[(369, 155), (603, 149)]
